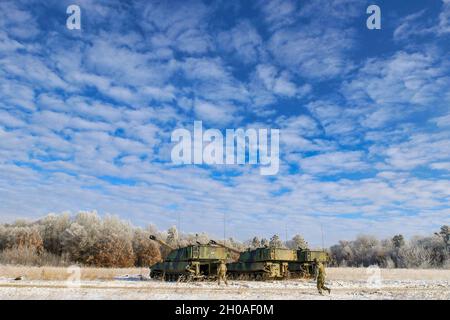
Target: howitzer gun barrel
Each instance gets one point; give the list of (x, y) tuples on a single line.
[(224, 246), (152, 237)]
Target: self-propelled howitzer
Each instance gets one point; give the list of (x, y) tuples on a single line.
[(192, 262), (304, 266), (262, 264), (275, 263), (235, 251)]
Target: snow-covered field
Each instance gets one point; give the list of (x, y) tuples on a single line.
[(345, 283)]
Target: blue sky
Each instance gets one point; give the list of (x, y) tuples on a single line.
[(86, 115)]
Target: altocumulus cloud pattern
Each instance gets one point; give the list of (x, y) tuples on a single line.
[(86, 115)]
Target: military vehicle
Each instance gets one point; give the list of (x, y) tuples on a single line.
[(304, 266), (274, 263), (193, 262), (232, 250), (262, 264)]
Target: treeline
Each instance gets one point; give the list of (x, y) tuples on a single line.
[(87, 239), (418, 252)]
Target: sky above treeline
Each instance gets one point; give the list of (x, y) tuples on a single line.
[(86, 115)]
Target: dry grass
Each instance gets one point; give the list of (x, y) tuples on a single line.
[(388, 274), (61, 273), (346, 274)]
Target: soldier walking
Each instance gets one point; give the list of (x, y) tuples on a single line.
[(320, 274), (222, 272)]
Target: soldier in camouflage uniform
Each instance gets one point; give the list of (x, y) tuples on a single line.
[(320, 274), (222, 272)]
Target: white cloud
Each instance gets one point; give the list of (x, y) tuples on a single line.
[(411, 25), (85, 119), (204, 69), (7, 44), (19, 23), (420, 149), (31, 69), (416, 78), (15, 94), (441, 166), (181, 26), (443, 121), (279, 82), (334, 162), (243, 40), (415, 25), (444, 17), (212, 113), (306, 51), (278, 13)]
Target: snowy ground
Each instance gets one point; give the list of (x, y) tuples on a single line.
[(345, 284)]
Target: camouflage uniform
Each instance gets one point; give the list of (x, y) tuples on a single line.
[(320, 273), (222, 273)]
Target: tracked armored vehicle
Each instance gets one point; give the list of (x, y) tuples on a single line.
[(193, 262), (262, 264), (304, 266), (275, 263)]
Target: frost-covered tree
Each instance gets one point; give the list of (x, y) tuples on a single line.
[(99, 242), (52, 228), (445, 236), (88, 239), (256, 243), (275, 242), (264, 242), (342, 253), (75, 243), (172, 236), (113, 247), (398, 241), (415, 254), (146, 252), (24, 236), (297, 242), (3, 236), (230, 242)]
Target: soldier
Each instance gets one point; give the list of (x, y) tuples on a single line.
[(222, 272), (320, 274)]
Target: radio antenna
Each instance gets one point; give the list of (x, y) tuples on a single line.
[(321, 230), (285, 233), (224, 228)]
